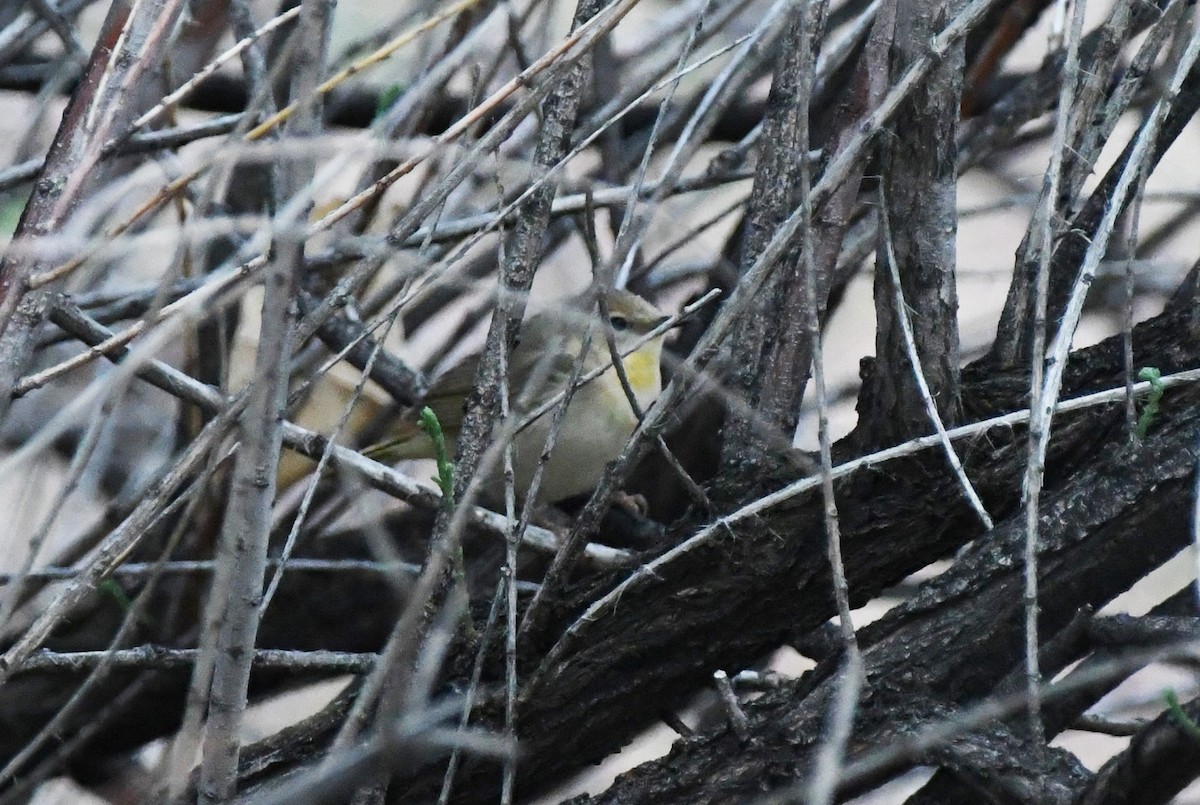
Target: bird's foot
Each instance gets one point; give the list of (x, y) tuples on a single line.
[(634, 504)]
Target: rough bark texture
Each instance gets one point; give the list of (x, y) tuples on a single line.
[(962, 635), (920, 199), (773, 337), (1093, 117)]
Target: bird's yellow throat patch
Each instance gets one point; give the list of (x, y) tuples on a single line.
[(642, 369)]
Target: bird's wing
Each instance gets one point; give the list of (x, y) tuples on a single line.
[(446, 400), (547, 368), (546, 371)]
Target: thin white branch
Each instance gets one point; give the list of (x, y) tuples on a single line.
[(910, 345), (1034, 467), (828, 767)]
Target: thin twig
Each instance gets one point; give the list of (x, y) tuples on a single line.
[(829, 758), (162, 658), (1039, 420), (919, 375), (733, 709)]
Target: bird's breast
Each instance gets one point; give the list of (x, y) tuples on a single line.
[(642, 370)]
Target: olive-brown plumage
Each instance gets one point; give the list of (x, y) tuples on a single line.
[(599, 419)]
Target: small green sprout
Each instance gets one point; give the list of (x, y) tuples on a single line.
[(387, 97), (1154, 377), (1178, 715), (115, 591), (445, 477)]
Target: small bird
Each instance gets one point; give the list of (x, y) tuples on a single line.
[(599, 419)]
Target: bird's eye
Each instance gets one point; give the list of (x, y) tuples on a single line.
[(618, 322)]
